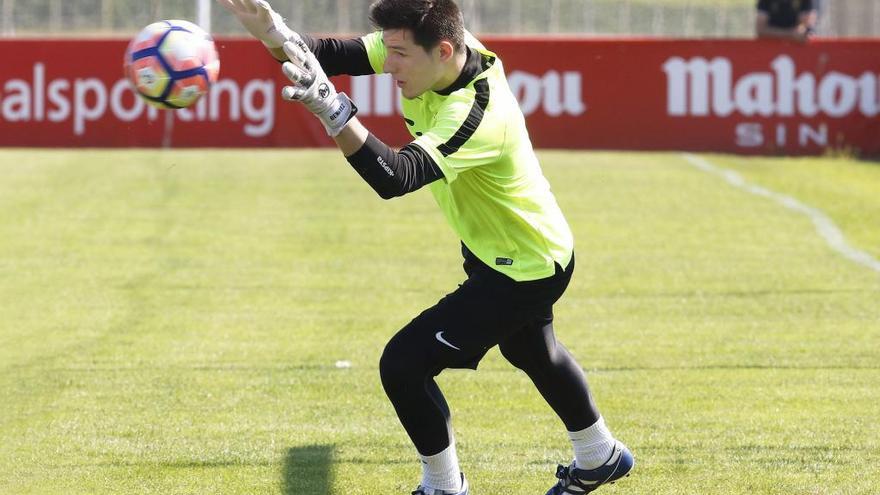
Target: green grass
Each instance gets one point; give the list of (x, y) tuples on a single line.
[(170, 324)]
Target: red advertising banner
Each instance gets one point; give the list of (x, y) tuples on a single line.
[(644, 94)]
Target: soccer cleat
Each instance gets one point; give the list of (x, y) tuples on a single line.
[(576, 481), (430, 491)]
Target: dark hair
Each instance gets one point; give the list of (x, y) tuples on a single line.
[(431, 21)]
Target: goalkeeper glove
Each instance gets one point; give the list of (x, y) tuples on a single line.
[(261, 21), (312, 88)]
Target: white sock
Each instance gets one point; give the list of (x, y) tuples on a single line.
[(592, 446), (441, 471)]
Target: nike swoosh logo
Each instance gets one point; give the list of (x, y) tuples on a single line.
[(439, 336)]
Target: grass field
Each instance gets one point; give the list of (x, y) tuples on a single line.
[(170, 323)]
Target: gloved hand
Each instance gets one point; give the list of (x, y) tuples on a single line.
[(312, 88), (261, 21)]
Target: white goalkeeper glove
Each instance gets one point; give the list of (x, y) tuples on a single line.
[(261, 21), (312, 88)]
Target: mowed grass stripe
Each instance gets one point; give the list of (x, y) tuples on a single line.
[(171, 323)]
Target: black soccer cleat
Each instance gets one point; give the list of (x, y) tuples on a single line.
[(574, 481), (426, 491)]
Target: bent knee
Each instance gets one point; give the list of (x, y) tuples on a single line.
[(393, 360), (403, 361)]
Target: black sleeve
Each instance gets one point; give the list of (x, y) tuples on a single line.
[(764, 6), (340, 56), (391, 173)]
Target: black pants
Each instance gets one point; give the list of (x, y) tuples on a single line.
[(488, 309)]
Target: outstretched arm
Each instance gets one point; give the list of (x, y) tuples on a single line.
[(262, 22), (388, 172), (338, 56)]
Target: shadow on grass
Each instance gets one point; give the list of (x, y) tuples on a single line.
[(307, 470)]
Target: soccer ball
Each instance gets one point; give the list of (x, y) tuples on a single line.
[(171, 64)]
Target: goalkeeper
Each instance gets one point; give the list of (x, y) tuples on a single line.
[(471, 148)]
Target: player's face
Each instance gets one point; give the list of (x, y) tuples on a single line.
[(414, 70)]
